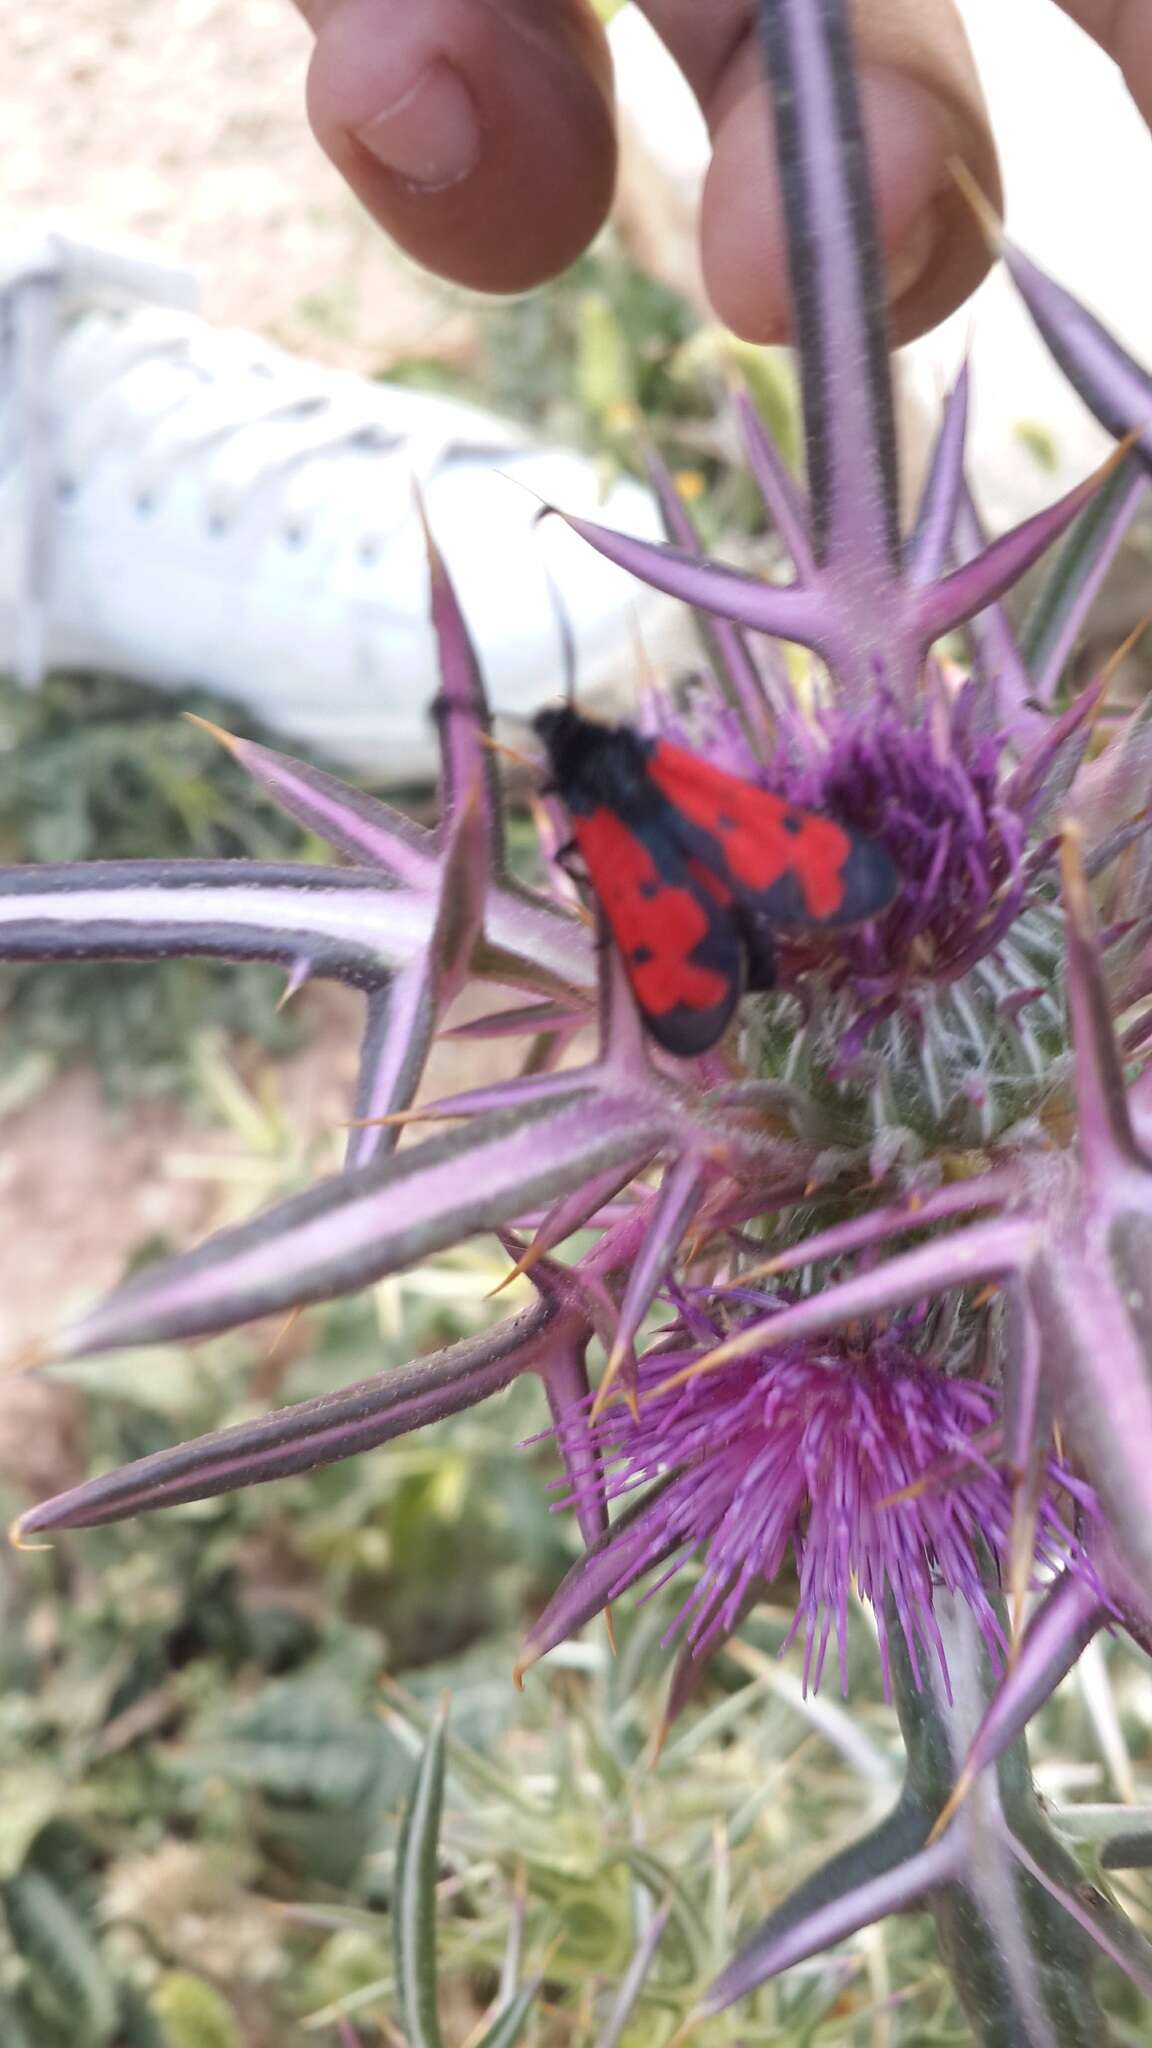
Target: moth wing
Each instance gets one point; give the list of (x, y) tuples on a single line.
[(788, 865), (670, 919)]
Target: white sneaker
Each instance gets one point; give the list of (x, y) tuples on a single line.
[(191, 506)]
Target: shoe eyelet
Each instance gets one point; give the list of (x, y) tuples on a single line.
[(217, 525), (295, 535), (144, 503), (369, 552), (66, 489)]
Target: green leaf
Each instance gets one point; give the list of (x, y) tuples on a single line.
[(193, 2014), (300, 1739), (605, 382), (511, 2020), (28, 1799), (70, 1979), (13, 2031), (414, 1900)]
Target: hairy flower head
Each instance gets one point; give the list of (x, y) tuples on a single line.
[(858, 1459)]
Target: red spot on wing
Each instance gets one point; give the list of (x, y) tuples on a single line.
[(763, 839), (656, 924)]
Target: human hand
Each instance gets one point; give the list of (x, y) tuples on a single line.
[(481, 135)]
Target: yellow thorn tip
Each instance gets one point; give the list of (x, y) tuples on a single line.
[(431, 1115), (19, 1541), (607, 1385), (229, 740), (520, 1668), (952, 1805), (524, 1264)]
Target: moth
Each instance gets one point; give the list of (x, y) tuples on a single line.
[(695, 868)]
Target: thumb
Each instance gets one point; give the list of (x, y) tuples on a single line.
[(479, 133)]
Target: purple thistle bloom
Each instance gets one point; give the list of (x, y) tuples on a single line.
[(935, 789), (933, 793), (859, 1457)]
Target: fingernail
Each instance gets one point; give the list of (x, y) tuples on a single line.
[(430, 136)]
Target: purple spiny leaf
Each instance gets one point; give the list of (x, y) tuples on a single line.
[(353, 1228), (998, 662), (1048, 767), (1062, 607), (983, 1251), (624, 1046), (1107, 1929), (311, 1433), (1027, 1399), (896, 1219), (928, 546), (635, 1543), (467, 765), (365, 830), (1069, 1615), (573, 1084), (1088, 1281), (778, 487), (398, 1032), (525, 1020), (343, 921), (573, 1211), (465, 873), (889, 1871), (564, 1370), (671, 1213), (839, 299), (1104, 1127), (1112, 793), (975, 586), (1112, 384), (368, 831), (1087, 1294), (1000, 1934), (787, 612), (734, 667), (530, 945)]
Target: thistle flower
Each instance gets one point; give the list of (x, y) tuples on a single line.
[(858, 1458), (933, 1136)]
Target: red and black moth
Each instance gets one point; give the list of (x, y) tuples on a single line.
[(694, 868)]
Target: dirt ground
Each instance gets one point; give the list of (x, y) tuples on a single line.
[(182, 121)]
